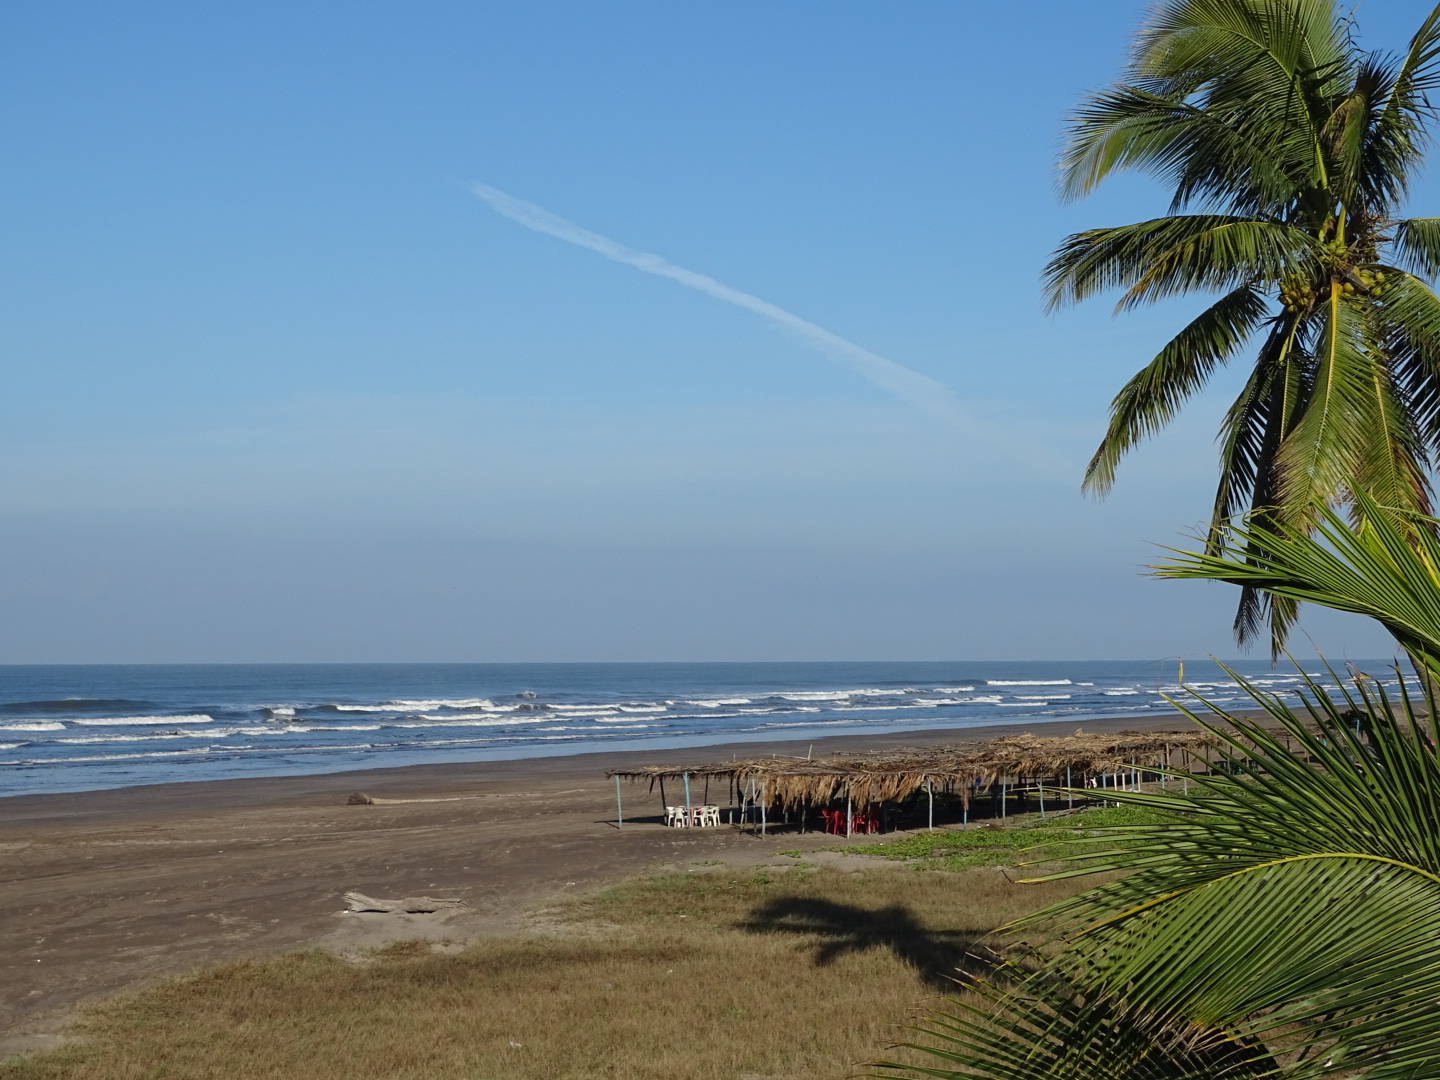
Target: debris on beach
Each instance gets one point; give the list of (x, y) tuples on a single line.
[(359, 798), (410, 905)]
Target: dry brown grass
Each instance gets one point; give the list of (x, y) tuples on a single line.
[(706, 976)]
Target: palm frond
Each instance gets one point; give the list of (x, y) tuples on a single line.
[(1410, 327), (1202, 156), (1417, 245), (1178, 254), (1149, 400), (1256, 422), (1294, 898), (1388, 569), (1043, 1025), (1319, 458)]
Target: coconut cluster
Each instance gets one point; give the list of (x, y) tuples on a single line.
[(1297, 295), (1373, 280)]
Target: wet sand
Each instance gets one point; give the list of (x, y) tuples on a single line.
[(104, 890)]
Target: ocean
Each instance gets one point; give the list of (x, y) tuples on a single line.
[(82, 727)]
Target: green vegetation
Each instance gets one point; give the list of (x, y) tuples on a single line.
[(1059, 836), (1289, 152)]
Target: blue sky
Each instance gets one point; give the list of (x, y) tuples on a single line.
[(276, 385)]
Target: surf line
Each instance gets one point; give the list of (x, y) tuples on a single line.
[(921, 391)]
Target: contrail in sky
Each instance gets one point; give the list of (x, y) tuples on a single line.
[(910, 386)]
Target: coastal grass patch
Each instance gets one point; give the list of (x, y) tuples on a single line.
[(1028, 841), (769, 974)]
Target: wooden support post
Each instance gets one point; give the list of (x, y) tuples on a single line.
[(1042, 800), (762, 809), (1003, 792), (930, 792), (849, 815), (664, 802), (686, 778), (1069, 791), (619, 813)]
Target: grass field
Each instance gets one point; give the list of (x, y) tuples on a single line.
[(780, 974), (1030, 840)]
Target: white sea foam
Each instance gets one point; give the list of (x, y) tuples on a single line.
[(1021, 704), (1119, 693), (877, 708), (1043, 697), (582, 708), (124, 721), (642, 708), (441, 703), (478, 721), (33, 725), (950, 689), (715, 703), (86, 740), (817, 695), (455, 718), (1028, 682), (11, 745)]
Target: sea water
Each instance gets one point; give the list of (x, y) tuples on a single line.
[(74, 728)]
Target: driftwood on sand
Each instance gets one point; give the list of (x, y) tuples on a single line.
[(410, 905)]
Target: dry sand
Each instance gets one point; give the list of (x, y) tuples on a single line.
[(103, 890)]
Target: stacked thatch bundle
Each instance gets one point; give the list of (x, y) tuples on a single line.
[(889, 776)]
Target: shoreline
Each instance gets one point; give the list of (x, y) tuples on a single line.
[(252, 791)]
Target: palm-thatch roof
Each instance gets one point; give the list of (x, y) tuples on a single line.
[(966, 770)]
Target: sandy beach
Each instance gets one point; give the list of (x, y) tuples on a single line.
[(103, 890)]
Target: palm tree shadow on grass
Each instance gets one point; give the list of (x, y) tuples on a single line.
[(942, 958)]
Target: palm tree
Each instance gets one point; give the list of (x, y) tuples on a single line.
[(1284, 923), (1289, 152)]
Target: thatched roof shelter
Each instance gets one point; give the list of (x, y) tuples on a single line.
[(965, 770)]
